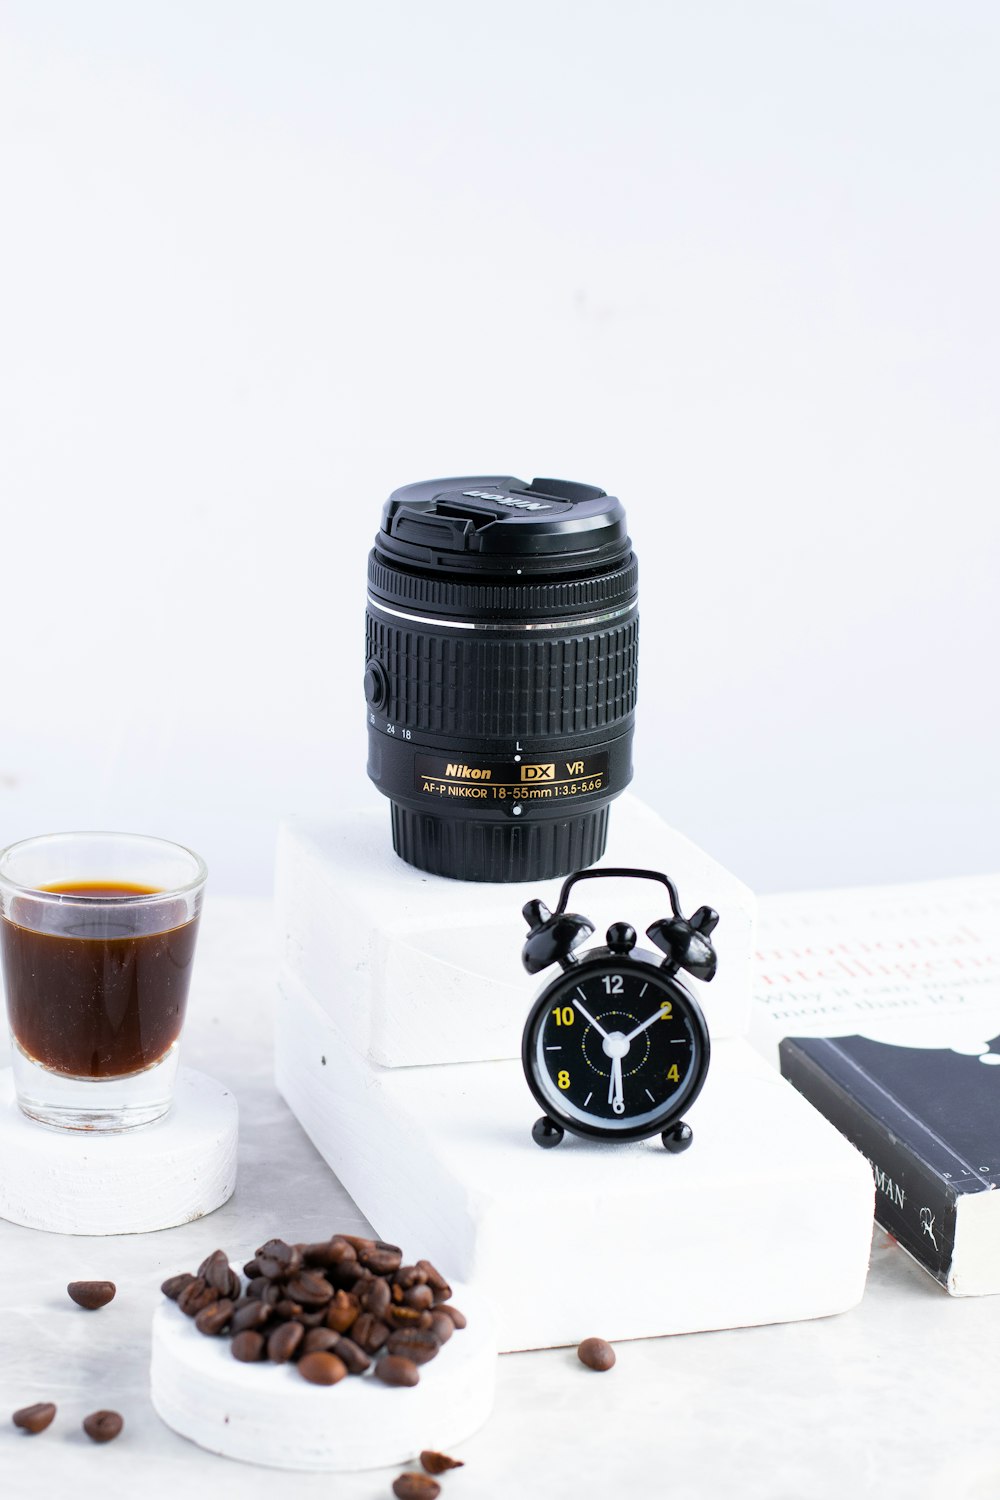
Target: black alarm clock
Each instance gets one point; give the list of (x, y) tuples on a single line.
[(615, 1048)]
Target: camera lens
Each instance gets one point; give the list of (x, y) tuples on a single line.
[(502, 636)]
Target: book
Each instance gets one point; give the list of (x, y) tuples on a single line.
[(882, 1007)]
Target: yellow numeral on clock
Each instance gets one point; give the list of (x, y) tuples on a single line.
[(565, 1015), (563, 1079), (673, 1074), (666, 1009)]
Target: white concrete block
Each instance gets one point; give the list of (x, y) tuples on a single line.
[(267, 1414), (417, 969), (766, 1218), (131, 1182)]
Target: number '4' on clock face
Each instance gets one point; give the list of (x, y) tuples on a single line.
[(617, 1046)]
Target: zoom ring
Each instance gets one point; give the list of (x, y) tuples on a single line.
[(483, 687)]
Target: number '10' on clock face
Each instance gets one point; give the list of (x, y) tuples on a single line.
[(616, 1046)]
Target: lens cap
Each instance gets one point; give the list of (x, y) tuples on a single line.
[(484, 522)]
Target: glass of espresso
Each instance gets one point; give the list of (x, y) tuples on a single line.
[(97, 939)]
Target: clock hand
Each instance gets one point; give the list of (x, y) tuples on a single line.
[(633, 1034), (616, 1091), (588, 1017)]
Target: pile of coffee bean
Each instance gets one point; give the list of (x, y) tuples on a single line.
[(340, 1307)]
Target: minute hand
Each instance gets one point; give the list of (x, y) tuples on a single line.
[(633, 1034), (588, 1017)]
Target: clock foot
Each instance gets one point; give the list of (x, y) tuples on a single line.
[(678, 1137), (546, 1132)]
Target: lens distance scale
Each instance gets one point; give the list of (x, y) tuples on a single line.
[(616, 1048)]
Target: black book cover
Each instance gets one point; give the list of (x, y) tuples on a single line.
[(927, 1119)]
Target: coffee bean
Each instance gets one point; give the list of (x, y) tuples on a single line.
[(381, 1258), (419, 1297), (341, 1250), (217, 1258), (596, 1354), (395, 1369), (369, 1332), (286, 1309), (329, 1252), (439, 1463), (277, 1258), (377, 1297), (248, 1346), (358, 1242), (408, 1276), (456, 1317), (320, 1341), (436, 1282), (415, 1486), (401, 1316), (418, 1344), (91, 1294), (311, 1288), (174, 1285), (322, 1368), (284, 1341), (102, 1426), (257, 1286), (353, 1355), (352, 1276), (441, 1326), (195, 1296), (250, 1315), (34, 1418), (317, 1254), (252, 1268), (213, 1318), (276, 1249), (315, 1319), (216, 1271)]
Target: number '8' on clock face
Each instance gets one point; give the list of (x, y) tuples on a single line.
[(616, 1048)]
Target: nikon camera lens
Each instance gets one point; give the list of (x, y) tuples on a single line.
[(502, 636)]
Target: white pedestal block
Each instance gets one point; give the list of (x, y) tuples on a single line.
[(417, 969), (766, 1218), (267, 1414), (130, 1182)]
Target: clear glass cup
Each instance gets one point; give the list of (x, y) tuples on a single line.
[(97, 940)]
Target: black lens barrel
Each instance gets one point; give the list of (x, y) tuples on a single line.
[(502, 644)]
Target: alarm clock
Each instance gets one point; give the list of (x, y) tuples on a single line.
[(615, 1048)]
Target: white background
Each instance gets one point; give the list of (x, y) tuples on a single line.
[(738, 263)]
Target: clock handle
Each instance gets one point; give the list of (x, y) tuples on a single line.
[(618, 873)]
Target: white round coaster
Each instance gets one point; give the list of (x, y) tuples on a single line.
[(129, 1182), (267, 1414)]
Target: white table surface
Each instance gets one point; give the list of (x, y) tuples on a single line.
[(898, 1397)]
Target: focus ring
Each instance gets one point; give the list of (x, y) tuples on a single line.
[(499, 853), (503, 688), (513, 597)]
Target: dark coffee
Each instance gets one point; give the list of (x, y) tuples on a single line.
[(106, 995)]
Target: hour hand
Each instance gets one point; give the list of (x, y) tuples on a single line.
[(648, 1022)]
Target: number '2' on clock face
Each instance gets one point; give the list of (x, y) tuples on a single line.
[(616, 1047)]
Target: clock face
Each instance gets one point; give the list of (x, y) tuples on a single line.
[(615, 1048)]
